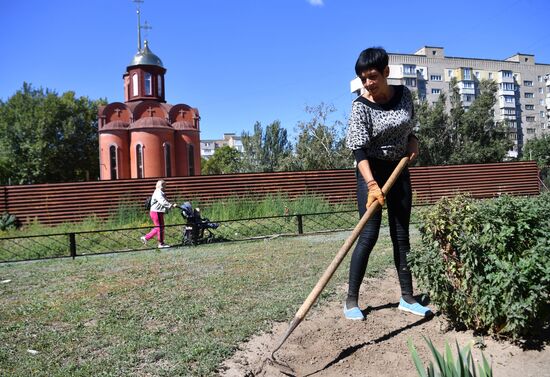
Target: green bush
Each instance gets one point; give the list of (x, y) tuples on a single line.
[(486, 263), (8, 221), (446, 365)]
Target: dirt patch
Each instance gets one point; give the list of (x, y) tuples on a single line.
[(326, 344)]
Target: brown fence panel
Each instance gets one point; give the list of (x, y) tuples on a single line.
[(65, 202)]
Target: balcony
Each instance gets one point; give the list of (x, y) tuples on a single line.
[(504, 76), (502, 103), (470, 91)]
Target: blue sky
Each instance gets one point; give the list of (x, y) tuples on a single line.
[(244, 61)]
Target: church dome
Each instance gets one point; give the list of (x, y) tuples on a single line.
[(146, 57)]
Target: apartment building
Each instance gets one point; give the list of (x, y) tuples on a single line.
[(208, 147), (523, 97)]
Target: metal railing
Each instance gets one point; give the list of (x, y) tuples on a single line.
[(81, 243)]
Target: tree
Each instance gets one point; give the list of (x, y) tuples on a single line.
[(321, 145), (48, 138), (461, 136), (482, 140), (456, 113), (267, 151), (225, 160), (435, 133), (538, 149)]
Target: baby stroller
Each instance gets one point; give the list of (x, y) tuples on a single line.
[(197, 229)]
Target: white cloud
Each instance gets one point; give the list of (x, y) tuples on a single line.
[(316, 3)]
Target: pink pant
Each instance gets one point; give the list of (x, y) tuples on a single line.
[(158, 220)]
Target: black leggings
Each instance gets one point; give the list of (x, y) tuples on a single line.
[(399, 202)]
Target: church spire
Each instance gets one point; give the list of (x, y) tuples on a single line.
[(138, 2)]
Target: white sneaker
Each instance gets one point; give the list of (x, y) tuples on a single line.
[(143, 239), (163, 245)]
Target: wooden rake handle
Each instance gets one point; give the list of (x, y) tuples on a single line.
[(327, 275)]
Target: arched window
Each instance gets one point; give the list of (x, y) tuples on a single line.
[(113, 166), (148, 90), (159, 85), (135, 84), (167, 161), (191, 159), (139, 160)]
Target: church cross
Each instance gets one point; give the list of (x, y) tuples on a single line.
[(150, 111), (117, 111), (181, 112)]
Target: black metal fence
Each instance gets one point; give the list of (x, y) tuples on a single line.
[(74, 244)]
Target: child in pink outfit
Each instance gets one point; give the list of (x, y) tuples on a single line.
[(159, 206)]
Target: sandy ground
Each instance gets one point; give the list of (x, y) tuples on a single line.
[(326, 344)]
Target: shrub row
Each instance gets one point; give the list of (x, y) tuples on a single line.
[(486, 263)]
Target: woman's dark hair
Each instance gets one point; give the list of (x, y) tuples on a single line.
[(373, 57)]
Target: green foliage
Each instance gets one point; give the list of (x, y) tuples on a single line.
[(277, 204), (482, 140), (461, 137), (8, 221), (446, 365), (225, 160), (538, 149), (486, 264), (435, 133), (266, 151), (45, 137), (321, 145)]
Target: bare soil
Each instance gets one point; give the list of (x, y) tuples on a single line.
[(326, 344)]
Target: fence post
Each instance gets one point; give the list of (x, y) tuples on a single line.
[(72, 245), (300, 224)]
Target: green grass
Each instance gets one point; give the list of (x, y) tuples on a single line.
[(176, 312)]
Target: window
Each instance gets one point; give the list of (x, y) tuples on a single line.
[(159, 85), (435, 77), (507, 74), (436, 91), (113, 162), (541, 90), (541, 102), (542, 114), (529, 95), (469, 98), (477, 74), (490, 75), (167, 161), (468, 84), (409, 69), (191, 159), (530, 119), (530, 130), (135, 84), (507, 86), (509, 99), (467, 73), (410, 82), (450, 73), (540, 78), (529, 107), (139, 160), (527, 83), (148, 84), (509, 112)]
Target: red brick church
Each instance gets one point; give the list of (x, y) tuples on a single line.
[(145, 137)]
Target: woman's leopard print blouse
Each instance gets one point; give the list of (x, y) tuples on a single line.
[(382, 131)]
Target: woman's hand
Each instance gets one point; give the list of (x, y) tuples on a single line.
[(412, 148), (375, 194)]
